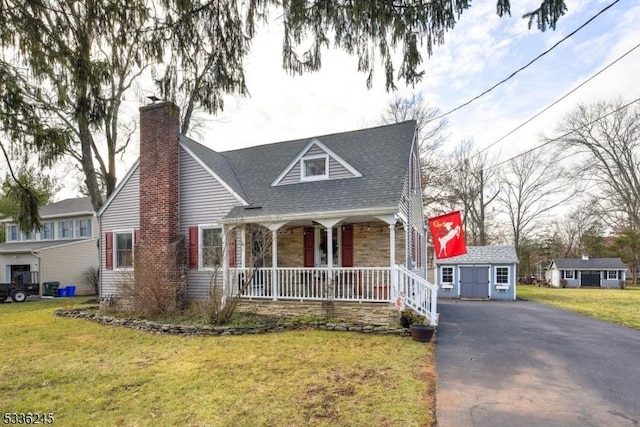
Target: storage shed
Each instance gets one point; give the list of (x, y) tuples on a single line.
[(585, 271), (484, 272)]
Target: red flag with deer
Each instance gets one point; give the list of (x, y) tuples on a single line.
[(447, 234)]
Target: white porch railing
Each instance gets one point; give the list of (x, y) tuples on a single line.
[(418, 294), (355, 284), (349, 283)]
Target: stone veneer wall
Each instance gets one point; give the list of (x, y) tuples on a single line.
[(359, 313), (370, 246)]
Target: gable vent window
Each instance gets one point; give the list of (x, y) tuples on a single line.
[(315, 168)]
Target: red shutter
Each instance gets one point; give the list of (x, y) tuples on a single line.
[(136, 237), (193, 247), (232, 247), (309, 253), (347, 246), (108, 250)]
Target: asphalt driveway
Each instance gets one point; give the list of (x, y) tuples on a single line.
[(525, 364)]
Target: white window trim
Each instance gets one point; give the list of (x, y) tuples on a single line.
[(115, 249), (442, 277), (612, 278), (573, 274), (304, 177), (201, 227), (495, 275)]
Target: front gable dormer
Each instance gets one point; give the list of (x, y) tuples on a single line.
[(316, 162)]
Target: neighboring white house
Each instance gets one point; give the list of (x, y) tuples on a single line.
[(585, 271), (65, 247)]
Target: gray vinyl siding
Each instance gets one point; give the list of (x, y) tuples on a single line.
[(123, 213), (203, 200), (55, 266), (293, 177), (337, 171)]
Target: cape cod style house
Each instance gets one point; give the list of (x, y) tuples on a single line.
[(62, 251), (292, 224)]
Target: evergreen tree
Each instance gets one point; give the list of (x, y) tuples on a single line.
[(66, 65)]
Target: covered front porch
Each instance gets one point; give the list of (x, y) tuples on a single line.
[(366, 262)]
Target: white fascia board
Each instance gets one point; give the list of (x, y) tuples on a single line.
[(296, 160)]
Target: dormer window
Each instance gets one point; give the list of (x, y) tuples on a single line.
[(314, 168)]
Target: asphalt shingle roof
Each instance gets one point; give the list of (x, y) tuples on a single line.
[(590, 264), (22, 247), (79, 205), (484, 255), (381, 154)]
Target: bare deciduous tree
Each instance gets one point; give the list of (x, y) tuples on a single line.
[(471, 185), (532, 185), (607, 136), (431, 136)]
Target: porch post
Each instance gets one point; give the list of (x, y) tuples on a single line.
[(392, 255), (225, 265), (330, 253), (274, 263)]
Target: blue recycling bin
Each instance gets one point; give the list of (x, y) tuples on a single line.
[(71, 291), (62, 292)]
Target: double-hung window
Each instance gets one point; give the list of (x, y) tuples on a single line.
[(612, 274), (123, 250), (65, 229), (47, 232), (447, 274), (83, 228), (12, 233), (568, 274), (502, 275), (211, 247)]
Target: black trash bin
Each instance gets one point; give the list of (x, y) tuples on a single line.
[(51, 289)]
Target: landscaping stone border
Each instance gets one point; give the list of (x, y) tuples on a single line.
[(187, 330)]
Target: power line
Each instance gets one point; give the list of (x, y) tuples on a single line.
[(475, 98), (558, 138), (558, 100)]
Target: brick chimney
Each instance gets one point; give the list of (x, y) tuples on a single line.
[(159, 254)]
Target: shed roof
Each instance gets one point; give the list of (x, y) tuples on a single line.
[(484, 255), (589, 264)]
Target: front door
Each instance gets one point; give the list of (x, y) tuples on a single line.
[(474, 282)]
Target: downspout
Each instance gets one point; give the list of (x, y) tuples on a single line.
[(35, 254)]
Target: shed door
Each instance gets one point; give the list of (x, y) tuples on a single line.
[(474, 282), (590, 278)]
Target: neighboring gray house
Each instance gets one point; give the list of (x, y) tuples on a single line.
[(343, 210), (585, 271), (65, 247), (484, 272)]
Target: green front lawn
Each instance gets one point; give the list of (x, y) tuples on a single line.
[(88, 374), (621, 306)]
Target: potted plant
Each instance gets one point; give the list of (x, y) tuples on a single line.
[(420, 331)]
